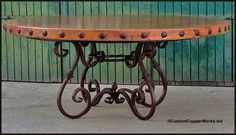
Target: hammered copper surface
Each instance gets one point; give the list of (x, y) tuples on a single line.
[(134, 27)]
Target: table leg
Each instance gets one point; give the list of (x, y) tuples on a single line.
[(136, 96)]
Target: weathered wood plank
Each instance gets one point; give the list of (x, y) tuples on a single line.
[(154, 73), (210, 43), (111, 47), (170, 47), (38, 47), (24, 46), (79, 11), (71, 7), (127, 73), (228, 46), (96, 70), (162, 52), (4, 48), (103, 47), (134, 6), (31, 47), (178, 72), (10, 46), (68, 60), (202, 60), (119, 69), (144, 8), (194, 47), (45, 49), (233, 42), (220, 47), (87, 11), (55, 62), (186, 46), (16, 46)]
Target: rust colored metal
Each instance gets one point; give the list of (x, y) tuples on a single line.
[(45, 33), (197, 33), (81, 34), (123, 35), (102, 35), (19, 31), (144, 35), (5, 27), (181, 33), (137, 95), (10, 30), (62, 34), (219, 29), (163, 34), (108, 28), (209, 31), (31, 32)]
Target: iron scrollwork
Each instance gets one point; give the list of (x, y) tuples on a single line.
[(133, 97)]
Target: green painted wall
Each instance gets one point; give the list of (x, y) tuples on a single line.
[(207, 61)]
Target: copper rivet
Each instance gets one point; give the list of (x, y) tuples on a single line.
[(209, 31), (62, 34), (102, 35), (197, 32), (225, 28), (10, 30), (81, 34), (19, 31), (31, 32), (144, 35), (181, 33), (45, 33), (219, 29), (123, 35), (5, 27), (164, 34)]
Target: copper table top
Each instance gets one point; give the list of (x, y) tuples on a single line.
[(116, 28)]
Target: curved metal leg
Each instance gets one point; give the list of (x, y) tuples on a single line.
[(85, 93), (136, 96), (149, 51), (90, 64)]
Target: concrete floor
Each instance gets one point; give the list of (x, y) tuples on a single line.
[(31, 108)]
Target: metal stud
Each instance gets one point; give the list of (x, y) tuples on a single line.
[(45, 33), (123, 35), (225, 28), (144, 35), (81, 35), (102, 35), (181, 33), (10, 30), (62, 34), (197, 32), (5, 27), (30, 31), (163, 34), (219, 29), (18, 31), (209, 31)]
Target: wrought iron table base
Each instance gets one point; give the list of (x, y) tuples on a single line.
[(133, 97)]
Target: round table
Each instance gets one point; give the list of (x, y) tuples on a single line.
[(149, 31)]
